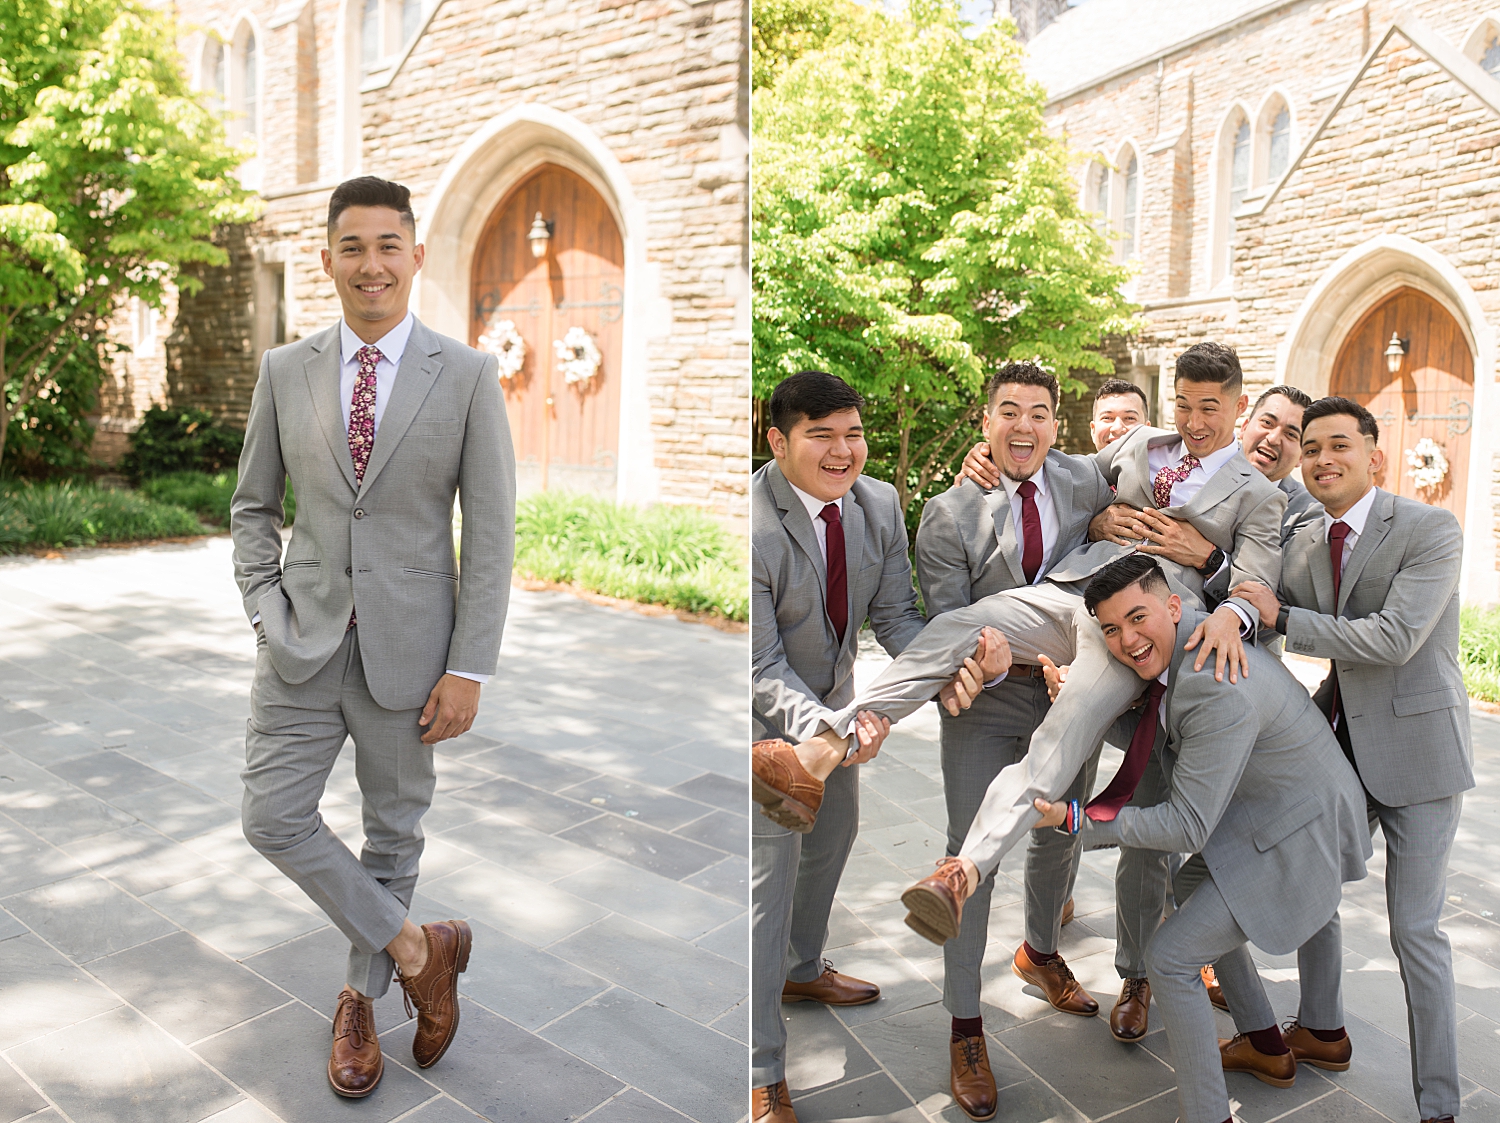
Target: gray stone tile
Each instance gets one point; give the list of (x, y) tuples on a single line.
[(502, 1072), (187, 988), (537, 769), (717, 791), (467, 744), (1481, 1104), (670, 906), (1336, 1107), (108, 774), (636, 801), (246, 1111), (236, 916), (1380, 1074), (628, 1037), (49, 744), (540, 855), (516, 904), (519, 982), (313, 968), (732, 941), (26, 861), (729, 879), (52, 808), (1479, 1050), (732, 763), (212, 772), (41, 991), (721, 830), (10, 926), (821, 1051), (150, 1078), (177, 810), (529, 806), (902, 985), (85, 917), (14, 718), (18, 1099), (870, 1099), (139, 859), (634, 1106), (679, 976), (282, 1060), (441, 1109), (643, 846)]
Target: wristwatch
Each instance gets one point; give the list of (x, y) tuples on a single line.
[(1281, 618), (1211, 566)]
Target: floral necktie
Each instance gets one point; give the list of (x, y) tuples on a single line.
[(362, 411), (1169, 477)]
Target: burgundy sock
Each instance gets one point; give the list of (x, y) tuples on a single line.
[(1038, 957), (1268, 1041), (968, 1027), (1327, 1034)]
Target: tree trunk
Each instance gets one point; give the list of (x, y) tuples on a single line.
[(904, 422)]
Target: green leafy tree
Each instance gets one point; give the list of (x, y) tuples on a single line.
[(112, 177), (914, 226)]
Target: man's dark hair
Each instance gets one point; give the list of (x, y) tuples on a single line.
[(371, 191), (1329, 407), (1297, 397), (811, 394), (1120, 575), (1024, 373), (1211, 362), (1113, 386)]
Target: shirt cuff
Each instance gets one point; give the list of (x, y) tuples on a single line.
[(1246, 627), (481, 679), (254, 620), (997, 680)]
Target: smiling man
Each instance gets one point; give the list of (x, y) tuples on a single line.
[(1262, 798), (365, 628)]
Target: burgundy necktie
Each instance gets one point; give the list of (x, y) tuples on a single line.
[(838, 581), (1336, 535), (1106, 805), (1031, 532)]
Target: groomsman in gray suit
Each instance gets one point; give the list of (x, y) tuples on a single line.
[(1259, 794), (364, 628), (828, 551), (974, 542), (1373, 586)]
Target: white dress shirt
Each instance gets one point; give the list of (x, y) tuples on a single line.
[(1354, 518), (815, 512), (392, 345), (1170, 455), (1045, 511)]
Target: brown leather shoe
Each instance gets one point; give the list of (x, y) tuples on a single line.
[(1127, 1021), (788, 794), (936, 903), (1439, 1119), (1238, 1054), (1067, 913), (434, 989), (772, 1104), (1057, 983), (355, 1066), (1215, 995), (970, 1078), (1309, 1050), (831, 989)]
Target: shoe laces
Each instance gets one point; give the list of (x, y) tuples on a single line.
[(973, 1052), (1060, 968), (1290, 1026), (352, 1021), (1132, 989), (774, 1096)]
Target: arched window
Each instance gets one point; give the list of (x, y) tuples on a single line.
[(386, 28), (1280, 152), (1490, 60), (1232, 170), (369, 34), (250, 85), (1483, 45), (411, 17), (1129, 210), (211, 77), (1096, 193)]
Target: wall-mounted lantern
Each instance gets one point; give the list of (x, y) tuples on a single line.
[(541, 234), (1394, 352)]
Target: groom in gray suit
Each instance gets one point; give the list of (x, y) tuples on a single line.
[(1373, 586), (364, 627), (1260, 795)]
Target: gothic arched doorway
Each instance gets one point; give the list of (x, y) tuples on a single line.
[(1431, 397), (565, 421)]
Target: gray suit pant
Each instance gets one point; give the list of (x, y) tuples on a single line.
[(292, 741), (976, 745), (793, 878), (1047, 619), (1141, 878)]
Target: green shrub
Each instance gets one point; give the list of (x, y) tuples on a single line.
[(68, 514), (1479, 651), (676, 556), (171, 440), (207, 496)]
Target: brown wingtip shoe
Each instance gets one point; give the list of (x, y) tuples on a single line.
[(788, 794), (1309, 1050), (772, 1104), (1215, 993), (1128, 1021), (355, 1065), (936, 903), (1056, 982), (831, 989), (434, 989), (970, 1078), (1239, 1054)]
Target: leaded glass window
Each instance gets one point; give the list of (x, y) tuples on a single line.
[(1281, 144), (1127, 223)]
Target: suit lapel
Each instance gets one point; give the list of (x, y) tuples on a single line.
[(322, 372), (853, 518), (799, 525), (1219, 487), (1377, 526), (419, 369), (1060, 486), (1314, 543), (998, 502)]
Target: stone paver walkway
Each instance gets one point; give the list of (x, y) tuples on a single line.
[(888, 1062), (153, 968)]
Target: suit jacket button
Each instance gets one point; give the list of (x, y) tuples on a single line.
[(348, 571), (359, 512)]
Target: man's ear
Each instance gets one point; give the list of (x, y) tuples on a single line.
[(1174, 607), (777, 440), (1244, 405), (1377, 461), (327, 261)]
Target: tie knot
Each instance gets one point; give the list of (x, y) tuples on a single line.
[(1027, 489), (830, 513), (1190, 462), (368, 356), (1339, 531), (1153, 695)]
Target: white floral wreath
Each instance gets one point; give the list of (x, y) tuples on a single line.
[(502, 340), (1429, 467), (577, 355)]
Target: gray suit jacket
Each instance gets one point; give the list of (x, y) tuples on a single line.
[(801, 673), (1301, 508), (1261, 789), (1393, 639), (1238, 510), (385, 548), (968, 546)]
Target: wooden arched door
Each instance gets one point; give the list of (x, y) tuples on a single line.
[(566, 427), (1432, 396)]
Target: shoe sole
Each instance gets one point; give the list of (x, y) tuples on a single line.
[(782, 809), (1016, 971), (827, 1002), (1127, 1040), (932, 911), (924, 930), (1219, 1005), (465, 943), (359, 1095), (1273, 1081), (1330, 1066)]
